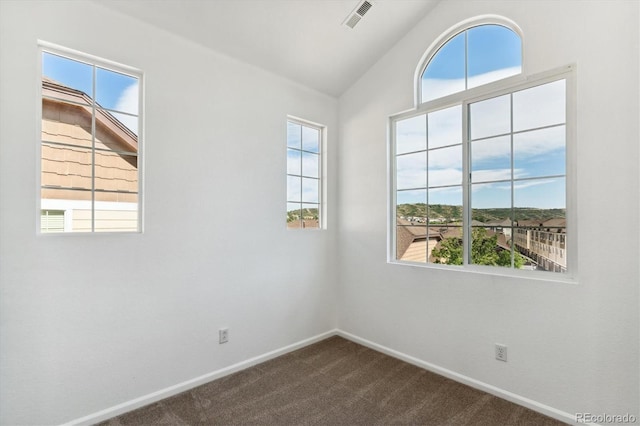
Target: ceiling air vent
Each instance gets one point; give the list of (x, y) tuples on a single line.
[(354, 17)]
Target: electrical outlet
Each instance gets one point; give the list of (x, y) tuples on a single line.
[(223, 335), (501, 352)]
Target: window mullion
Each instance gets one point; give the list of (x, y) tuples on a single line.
[(93, 149), (466, 185), (426, 185), (513, 217), (301, 181)]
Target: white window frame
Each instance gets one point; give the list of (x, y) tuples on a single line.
[(322, 169), (490, 90), (47, 47)]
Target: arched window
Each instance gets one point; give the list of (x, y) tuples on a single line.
[(481, 164), (471, 58)]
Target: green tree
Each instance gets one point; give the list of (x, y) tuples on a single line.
[(484, 251), (449, 251)]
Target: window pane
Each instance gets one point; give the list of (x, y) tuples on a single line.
[(539, 106), (411, 171), (294, 135), (310, 139), (542, 248), (66, 167), (116, 172), (411, 134), (491, 203), (130, 122), (445, 73), (76, 203), (445, 166), (411, 206), (294, 215), (445, 205), (310, 216), (66, 123), (411, 242), (67, 72), (547, 196), (493, 52), (445, 127), (310, 164), (117, 217), (489, 246), (117, 91), (491, 159), (293, 162), (445, 245), (540, 153), (491, 117), (294, 186), (310, 190)]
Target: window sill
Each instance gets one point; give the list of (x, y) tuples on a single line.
[(496, 272)]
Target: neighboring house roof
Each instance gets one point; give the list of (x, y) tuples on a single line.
[(505, 222), (52, 91), (548, 223), (558, 222)]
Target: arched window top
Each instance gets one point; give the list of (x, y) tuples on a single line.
[(478, 54)]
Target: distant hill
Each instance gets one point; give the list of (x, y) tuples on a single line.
[(448, 213), (311, 214)]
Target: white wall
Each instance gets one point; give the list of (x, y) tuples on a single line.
[(91, 321), (571, 347), (88, 322)]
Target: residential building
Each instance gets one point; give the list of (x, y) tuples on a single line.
[(544, 242), (66, 168)]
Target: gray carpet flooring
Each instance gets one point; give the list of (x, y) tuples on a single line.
[(333, 382)]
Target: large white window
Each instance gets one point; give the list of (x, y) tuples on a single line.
[(304, 174), (90, 152), (479, 169)]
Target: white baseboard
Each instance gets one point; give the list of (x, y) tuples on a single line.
[(190, 384), (493, 390), (125, 407)]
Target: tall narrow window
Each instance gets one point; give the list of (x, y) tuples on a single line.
[(483, 180), (304, 168), (90, 147)]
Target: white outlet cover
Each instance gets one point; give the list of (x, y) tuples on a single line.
[(501, 352)]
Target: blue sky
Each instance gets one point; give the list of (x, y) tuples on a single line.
[(492, 53), (114, 90), (490, 47), (301, 139)]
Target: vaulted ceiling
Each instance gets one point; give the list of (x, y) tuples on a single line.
[(302, 40)]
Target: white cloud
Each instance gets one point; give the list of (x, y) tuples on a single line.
[(445, 177), (531, 183), (433, 88), (539, 142), (128, 102), (491, 175)]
